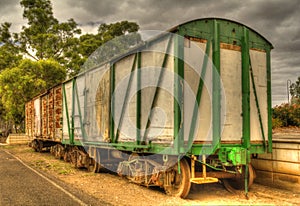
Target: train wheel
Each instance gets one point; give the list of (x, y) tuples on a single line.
[(74, 158), (239, 182), (39, 146), (94, 167), (59, 151), (66, 156), (178, 184)]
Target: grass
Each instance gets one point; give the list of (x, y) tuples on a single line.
[(8, 146)]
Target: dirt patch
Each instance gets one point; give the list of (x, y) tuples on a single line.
[(119, 191)]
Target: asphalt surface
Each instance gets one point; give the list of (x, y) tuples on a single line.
[(20, 185)]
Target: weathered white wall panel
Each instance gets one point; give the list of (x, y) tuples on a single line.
[(125, 112), (67, 101), (232, 83), (194, 53), (92, 81), (37, 117), (258, 63)]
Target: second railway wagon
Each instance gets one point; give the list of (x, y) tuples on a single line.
[(188, 106)]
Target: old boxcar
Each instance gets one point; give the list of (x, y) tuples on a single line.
[(190, 105)]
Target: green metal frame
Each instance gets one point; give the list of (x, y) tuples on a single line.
[(216, 98), (112, 104), (138, 99), (246, 89), (214, 31), (269, 96)]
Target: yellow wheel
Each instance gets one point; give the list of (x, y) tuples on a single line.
[(238, 183), (176, 184)]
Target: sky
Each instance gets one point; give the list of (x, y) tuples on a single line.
[(277, 20)]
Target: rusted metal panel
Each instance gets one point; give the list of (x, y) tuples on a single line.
[(47, 115), (57, 110), (44, 112), (29, 118), (50, 111)]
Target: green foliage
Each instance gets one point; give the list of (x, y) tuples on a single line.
[(286, 115), (45, 37), (20, 84), (110, 41), (295, 90), (9, 55), (276, 123), (58, 52)]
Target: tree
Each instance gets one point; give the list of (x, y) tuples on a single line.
[(56, 50), (9, 54), (295, 91), (20, 84), (111, 40), (45, 37)]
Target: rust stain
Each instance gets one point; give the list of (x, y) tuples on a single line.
[(230, 47)]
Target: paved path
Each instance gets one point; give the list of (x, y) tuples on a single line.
[(21, 185)]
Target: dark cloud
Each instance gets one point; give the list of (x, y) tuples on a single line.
[(8, 5), (11, 11)]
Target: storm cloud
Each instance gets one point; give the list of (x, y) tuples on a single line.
[(276, 20)]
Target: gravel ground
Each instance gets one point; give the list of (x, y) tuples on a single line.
[(116, 190)]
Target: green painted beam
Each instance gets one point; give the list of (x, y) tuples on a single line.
[(246, 89), (138, 99), (216, 96), (112, 104), (73, 111), (269, 93)]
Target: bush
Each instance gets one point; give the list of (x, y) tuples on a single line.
[(286, 115), (276, 123)]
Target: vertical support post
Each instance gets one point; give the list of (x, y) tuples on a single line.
[(73, 112), (178, 91), (246, 179), (112, 103), (204, 166), (216, 97), (193, 166), (138, 99), (246, 88), (269, 99)]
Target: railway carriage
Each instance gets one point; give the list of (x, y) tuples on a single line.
[(188, 106)]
